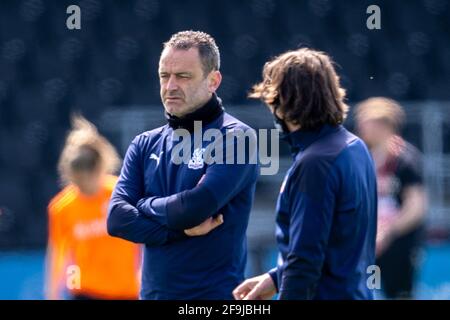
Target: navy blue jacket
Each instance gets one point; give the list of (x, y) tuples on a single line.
[(326, 217), (156, 199)]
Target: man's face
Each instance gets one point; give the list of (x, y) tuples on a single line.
[(374, 132), (184, 86)]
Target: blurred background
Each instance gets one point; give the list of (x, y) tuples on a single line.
[(108, 72)]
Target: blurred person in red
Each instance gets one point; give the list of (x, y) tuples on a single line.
[(402, 200), (81, 257)]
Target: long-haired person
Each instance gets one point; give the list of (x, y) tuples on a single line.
[(82, 259), (326, 210)]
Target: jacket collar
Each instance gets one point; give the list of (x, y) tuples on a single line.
[(300, 139)]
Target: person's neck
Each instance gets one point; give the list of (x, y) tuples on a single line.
[(200, 105), (206, 113), (89, 191), (380, 153)]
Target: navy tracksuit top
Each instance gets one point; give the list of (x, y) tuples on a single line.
[(326, 217), (156, 199)]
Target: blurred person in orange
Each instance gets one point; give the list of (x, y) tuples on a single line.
[(402, 200), (81, 257)]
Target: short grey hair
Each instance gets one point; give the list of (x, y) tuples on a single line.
[(206, 45)]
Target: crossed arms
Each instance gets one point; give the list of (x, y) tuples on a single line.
[(140, 218)]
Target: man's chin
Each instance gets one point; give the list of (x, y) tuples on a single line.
[(174, 108)]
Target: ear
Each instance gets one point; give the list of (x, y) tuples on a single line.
[(278, 113), (214, 80)]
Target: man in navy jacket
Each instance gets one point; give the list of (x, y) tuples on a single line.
[(191, 216), (327, 207)]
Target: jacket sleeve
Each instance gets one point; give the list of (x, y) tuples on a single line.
[(273, 273), (124, 220), (312, 213), (221, 183)]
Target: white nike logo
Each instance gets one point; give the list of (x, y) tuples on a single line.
[(155, 157)]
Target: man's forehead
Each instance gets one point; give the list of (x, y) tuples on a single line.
[(172, 58)]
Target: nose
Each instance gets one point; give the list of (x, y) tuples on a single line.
[(171, 84)]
